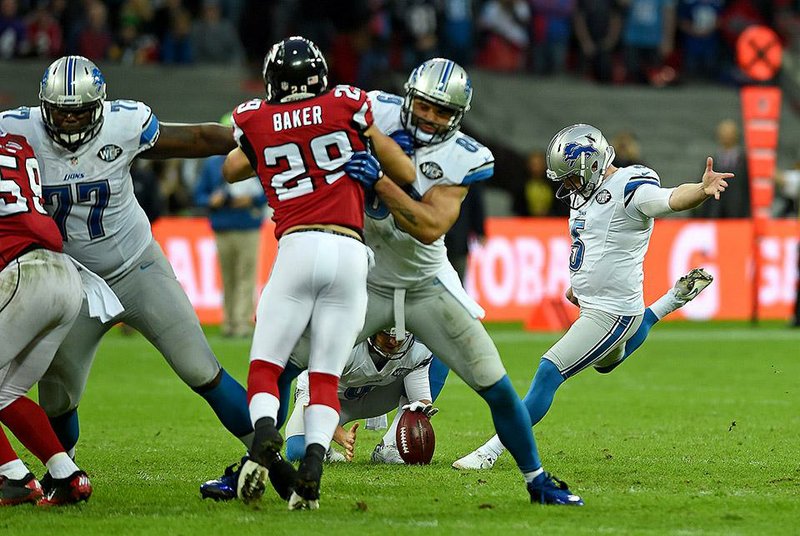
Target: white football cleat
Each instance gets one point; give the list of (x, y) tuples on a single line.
[(252, 481), (387, 454), (475, 460), (689, 286), (334, 456)]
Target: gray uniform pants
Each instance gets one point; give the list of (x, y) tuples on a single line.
[(40, 295), (596, 339), (441, 323), (155, 305)]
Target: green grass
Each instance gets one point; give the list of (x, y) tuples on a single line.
[(652, 448)]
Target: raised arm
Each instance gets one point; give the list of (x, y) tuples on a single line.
[(191, 140), (691, 195)]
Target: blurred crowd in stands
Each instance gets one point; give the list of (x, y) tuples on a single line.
[(654, 42), (611, 41)]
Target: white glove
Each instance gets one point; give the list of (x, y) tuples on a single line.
[(427, 409)]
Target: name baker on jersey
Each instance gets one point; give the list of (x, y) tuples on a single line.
[(310, 115)]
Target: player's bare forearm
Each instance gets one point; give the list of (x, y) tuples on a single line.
[(691, 195), (181, 140), (236, 166), (427, 219), (394, 161), (687, 196)]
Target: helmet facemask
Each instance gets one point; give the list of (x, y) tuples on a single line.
[(578, 157), (72, 94), (384, 344), (442, 83)]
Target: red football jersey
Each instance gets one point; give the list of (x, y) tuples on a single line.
[(298, 150), (23, 220)]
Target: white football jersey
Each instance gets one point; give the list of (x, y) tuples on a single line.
[(401, 260), (609, 241), (89, 193), (360, 375)]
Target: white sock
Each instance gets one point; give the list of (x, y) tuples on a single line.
[(390, 437), (319, 423), (14, 470), (529, 477), (376, 423), (61, 465), (263, 405), (493, 447), (666, 304)]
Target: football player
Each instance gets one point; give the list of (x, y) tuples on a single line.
[(298, 141), (40, 297), (380, 371), (85, 145), (413, 285), (611, 219)]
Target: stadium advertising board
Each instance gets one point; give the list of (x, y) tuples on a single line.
[(522, 266)]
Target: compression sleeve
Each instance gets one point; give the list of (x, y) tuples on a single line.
[(418, 386), (652, 201)]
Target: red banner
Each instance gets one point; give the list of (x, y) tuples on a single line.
[(523, 265)]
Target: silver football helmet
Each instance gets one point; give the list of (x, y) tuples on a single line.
[(442, 82), (72, 94), (389, 347), (578, 157)]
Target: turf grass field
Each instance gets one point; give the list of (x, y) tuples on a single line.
[(697, 433)]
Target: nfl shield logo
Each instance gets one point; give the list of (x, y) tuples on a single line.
[(73, 161), (109, 153), (603, 197), (432, 170)]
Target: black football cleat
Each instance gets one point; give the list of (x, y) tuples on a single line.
[(309, 476), (60, 491), (24, 490), (267, 444), (283, 477)]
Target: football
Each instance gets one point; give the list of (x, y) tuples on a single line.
[(415, 438)]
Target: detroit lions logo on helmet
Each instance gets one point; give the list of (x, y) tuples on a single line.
[(98, 79), (573, 151)]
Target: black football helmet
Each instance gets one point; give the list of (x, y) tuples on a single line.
[(294, 69)]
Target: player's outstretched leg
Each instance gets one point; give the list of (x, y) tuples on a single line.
[(514, 428), (537, 401), (687, 288), (228, 400)]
